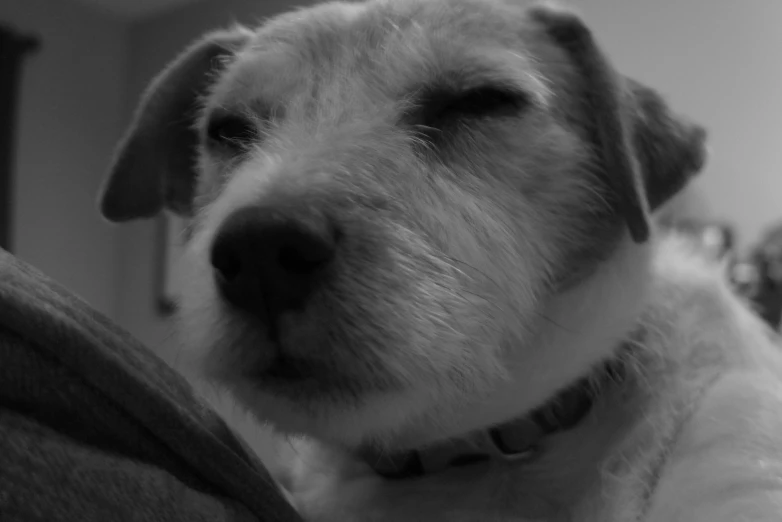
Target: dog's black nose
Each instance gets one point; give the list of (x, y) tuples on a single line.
[(269, 263)]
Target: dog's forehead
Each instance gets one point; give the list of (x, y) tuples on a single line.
[(395, 46)]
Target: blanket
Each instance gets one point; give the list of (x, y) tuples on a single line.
[(95, 427)]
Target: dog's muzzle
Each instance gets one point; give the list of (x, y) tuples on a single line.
[(267, 262)]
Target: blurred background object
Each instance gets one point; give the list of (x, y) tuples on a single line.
[(755, 272), (716, 239), (758, 275), (14, 48)]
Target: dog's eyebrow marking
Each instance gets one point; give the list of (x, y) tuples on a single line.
[(450, 98), (484, 85), (473, 75)]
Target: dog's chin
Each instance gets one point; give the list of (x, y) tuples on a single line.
[(376, 416), (305, 395), (279, 385), (238, 352)]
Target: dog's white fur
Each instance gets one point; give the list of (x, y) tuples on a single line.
[(447, 320)]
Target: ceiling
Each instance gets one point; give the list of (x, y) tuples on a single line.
[(133, 9)]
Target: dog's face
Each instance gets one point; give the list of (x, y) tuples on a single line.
[(387, 198)]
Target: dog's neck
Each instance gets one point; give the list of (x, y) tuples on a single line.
[(581, 327), (588, 323), (520, 439)]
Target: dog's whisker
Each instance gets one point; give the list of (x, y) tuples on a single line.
[(538, 313), (553, 322), (481, 273)]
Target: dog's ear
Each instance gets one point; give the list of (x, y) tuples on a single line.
[(646, 154), (154, 164), (670, 149)]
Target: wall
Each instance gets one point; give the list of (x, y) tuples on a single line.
[(71, 114), (716, 60)]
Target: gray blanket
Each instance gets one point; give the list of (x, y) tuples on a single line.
[(94, 427)]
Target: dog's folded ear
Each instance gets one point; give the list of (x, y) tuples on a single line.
[(154, 165), (669, 148), (645, 153)]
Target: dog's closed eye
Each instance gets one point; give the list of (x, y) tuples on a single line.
[(231, 132), (442, 109), (480, 102)]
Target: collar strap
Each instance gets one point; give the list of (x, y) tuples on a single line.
[(518, 439)]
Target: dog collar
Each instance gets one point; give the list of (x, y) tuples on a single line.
[(517, 440)]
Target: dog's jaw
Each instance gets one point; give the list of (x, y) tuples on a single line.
[(586, 325)]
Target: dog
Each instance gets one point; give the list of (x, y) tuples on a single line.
[(422, 246)]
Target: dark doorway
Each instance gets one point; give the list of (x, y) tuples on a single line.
[(14, 46)]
